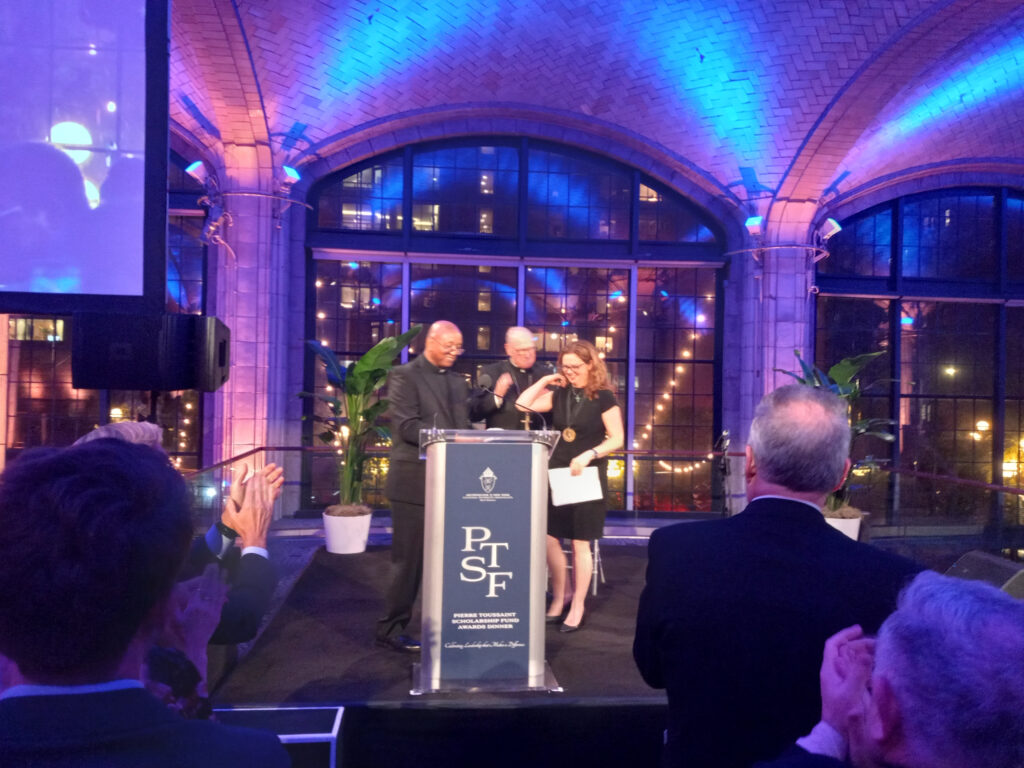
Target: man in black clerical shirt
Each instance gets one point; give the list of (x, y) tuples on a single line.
[(423, 394), (499, 384)]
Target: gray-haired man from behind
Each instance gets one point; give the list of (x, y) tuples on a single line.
[(735, 612), (941, 687)]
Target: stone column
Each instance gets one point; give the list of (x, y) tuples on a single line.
[(248, 293)]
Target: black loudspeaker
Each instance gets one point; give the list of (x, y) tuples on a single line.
[(148, 352), (992, 569), (213, 353)]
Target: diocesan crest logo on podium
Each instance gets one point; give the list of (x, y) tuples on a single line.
[(488, 480)]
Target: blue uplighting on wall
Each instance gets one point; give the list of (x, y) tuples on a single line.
[(717, 69), (369, 51), (987, 83)]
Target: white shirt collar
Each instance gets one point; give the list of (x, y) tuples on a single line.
[(815, 507)]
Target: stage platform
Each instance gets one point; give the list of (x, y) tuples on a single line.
[(315, 677)]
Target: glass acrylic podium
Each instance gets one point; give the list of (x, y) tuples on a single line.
[(484, 567)]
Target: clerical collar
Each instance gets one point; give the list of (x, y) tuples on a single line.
[(434, 368)]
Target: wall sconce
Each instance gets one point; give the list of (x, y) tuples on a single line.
[(290, 176), (754, 225), (197, 171), (215, 201), (829, 228)]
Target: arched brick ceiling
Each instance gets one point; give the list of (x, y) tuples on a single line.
[(790, 98)]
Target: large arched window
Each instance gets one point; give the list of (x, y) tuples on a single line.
[(935, 279), (496, 232)]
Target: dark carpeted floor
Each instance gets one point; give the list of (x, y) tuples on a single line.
[(319, 646), (318, 649)]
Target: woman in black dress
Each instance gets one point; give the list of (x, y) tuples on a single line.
[(585, 411)]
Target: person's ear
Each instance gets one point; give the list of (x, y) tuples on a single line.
[(885, 721), (846, 472), (749, 465)]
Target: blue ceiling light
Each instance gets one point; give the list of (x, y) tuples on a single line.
[(664, 294), (754, 225), (905, 320), (565, 323), (291, 175), (197, 170)]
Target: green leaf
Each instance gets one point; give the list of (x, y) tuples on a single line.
[(359, 381), (332, 366), (790, 373), (844, 371), (375, 410)]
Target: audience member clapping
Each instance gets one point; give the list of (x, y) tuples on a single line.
[(941, 687), (175, 670), (91, 540)]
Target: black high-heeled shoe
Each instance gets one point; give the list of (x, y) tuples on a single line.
[(558, 617), (566, 628)]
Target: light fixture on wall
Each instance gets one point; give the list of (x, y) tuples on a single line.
[(197, 170), (754, 225), (215, 201), (290, 176), (830, 228)]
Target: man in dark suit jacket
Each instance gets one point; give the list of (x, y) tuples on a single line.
[(423, 394), (735, 612), (91, 540), (499, 384), (252, 576), (238, 544)]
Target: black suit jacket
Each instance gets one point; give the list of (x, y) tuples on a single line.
[(733, 620), (252, 580), (483, 407), (420, 397), (127, 728)]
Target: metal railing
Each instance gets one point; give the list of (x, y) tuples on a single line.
[(677, 485)]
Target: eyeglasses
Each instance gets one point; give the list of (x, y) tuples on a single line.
[(573, 368), (452, 349)]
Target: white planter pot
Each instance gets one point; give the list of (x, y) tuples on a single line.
[(346, 535), (848, 525)]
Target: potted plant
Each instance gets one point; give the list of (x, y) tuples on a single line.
[(843, 379), (353, 410)]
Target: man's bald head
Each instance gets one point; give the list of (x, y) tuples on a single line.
[(444, 344), (520, 347)]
